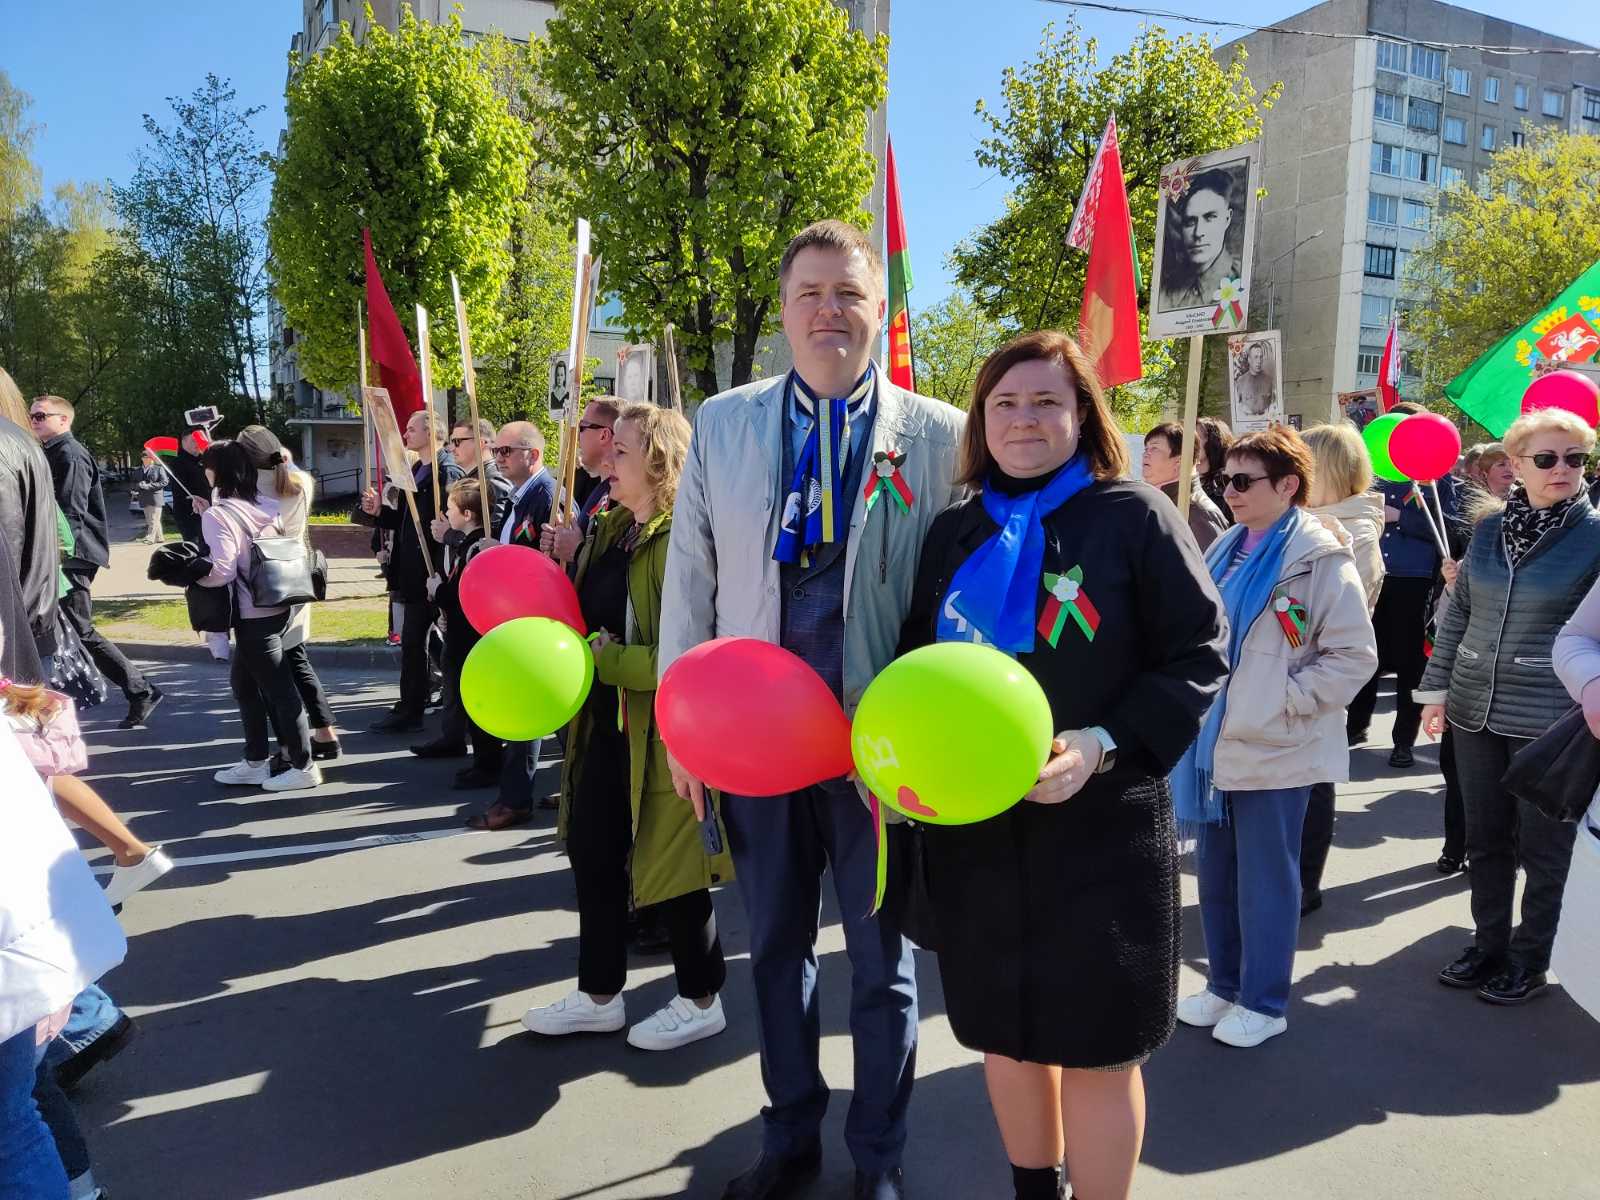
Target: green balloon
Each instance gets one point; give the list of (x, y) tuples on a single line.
[(526, 678), (952, 733), (1377, 435)]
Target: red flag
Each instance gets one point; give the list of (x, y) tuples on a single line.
[(901, 373), (1389, 371), (1108, 323), (386, 342)]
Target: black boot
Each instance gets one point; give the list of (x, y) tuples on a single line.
[(1037, 1183)]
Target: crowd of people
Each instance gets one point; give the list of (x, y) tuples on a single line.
[(1231, 663)]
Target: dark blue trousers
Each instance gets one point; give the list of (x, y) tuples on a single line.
[(781, 846)]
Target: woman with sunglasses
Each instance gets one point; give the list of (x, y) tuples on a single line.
[(1492, 682), (1300, 647)]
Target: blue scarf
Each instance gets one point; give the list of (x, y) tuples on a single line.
[(996, 590), (1244, 595), (815, 509)]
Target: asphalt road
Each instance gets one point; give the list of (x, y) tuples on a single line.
[(328, 990)]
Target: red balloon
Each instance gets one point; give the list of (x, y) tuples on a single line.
[(1425, 446), (503, 583), (748, 717), (1565, 389)]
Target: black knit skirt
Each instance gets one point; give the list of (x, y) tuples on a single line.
[(1058, 925)]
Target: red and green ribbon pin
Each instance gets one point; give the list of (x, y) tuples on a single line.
[(1067, 599), (886, 478), (1292, 616)]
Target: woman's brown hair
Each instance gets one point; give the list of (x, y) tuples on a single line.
[(1280, 451), (1098, 435)]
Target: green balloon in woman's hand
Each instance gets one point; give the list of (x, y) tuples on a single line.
[(952, 734), (526, 678)]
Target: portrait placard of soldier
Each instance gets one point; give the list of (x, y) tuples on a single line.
[(1205, 222), (1255, 381)]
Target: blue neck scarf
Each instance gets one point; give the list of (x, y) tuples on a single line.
[(1245, 595), (994, 595), (815, 509)]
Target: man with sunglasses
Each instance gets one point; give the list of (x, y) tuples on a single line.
[(467, 449), (591, 487), (79, 496), (1411, 567)]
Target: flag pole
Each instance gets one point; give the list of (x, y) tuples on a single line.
[(366, 423), (674, 388), (469, 381), (1191, 414), (425, 362), (569, 438)]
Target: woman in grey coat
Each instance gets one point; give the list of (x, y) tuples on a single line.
[(1492, 680)]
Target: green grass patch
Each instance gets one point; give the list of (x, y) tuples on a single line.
[(350, 621)]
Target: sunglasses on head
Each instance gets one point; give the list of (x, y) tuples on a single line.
[(1240, 482), (1546, 459)]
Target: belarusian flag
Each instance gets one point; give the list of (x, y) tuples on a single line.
[(1561, 333), (1389, 369), (901, 372), (1108, 323)]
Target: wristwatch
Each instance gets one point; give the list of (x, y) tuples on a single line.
[(1108, 748)]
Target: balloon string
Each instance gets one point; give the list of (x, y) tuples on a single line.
[(881, 885)]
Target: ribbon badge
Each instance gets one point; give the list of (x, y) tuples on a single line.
[(1228, 307), (1067, 599), (1292, 616), (886, 478)]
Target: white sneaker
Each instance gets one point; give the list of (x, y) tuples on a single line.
[(246, 772), (1203, 1009), (1244, 1027), (576, 1013), (125, 881), (294, 779), (679, 1023)]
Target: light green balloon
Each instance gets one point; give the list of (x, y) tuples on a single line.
[(526, 678), (952, 733), (1376, 435)]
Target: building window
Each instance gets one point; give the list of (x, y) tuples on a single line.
[(1409, 367), (1375, 311), (1517, 138), (1491, 89), (1418, 215), (1427, 64), (1386, 106), (1418, 166), (1552, 104), (1423, 115), (1450, 176), (1455, 131), (1385, 159), (1591, 105), (1367, 360), (1401, 258), (1487, 140), (1519, 96), (1459, 81), (326, 11), (1383, 210), (1380, 262), (1392, 55)]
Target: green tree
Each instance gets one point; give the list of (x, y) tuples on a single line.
[(699, 136), (19, 176), (949, 342), (1498, 254), (1172, 99), (403, 133)]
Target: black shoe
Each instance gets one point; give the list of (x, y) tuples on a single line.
[(1449, 864), (1355, 737), (324, 751), (880, 1185), (1474, 968), (1514, 985), (439, 748), (475, 777), (396, 723), (1402, 757), (140, 708), (108, 1045), (1310, 901), (775, 1176)]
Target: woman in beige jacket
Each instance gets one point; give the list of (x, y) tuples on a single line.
[(1342, 501), (1301, 645)]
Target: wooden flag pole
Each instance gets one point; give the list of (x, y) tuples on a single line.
[(674, 389), (569, 441), (366, 423), (469, 380), (1191, 414), (422, 534), (425, 360)]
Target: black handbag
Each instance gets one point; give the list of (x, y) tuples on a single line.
[(319, 575), (72, 671), (1558, 771), (280, 572), (210, 608)]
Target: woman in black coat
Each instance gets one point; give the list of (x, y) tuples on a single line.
[(1058, 920)]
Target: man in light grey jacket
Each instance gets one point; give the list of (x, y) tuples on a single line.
[(773, 538)]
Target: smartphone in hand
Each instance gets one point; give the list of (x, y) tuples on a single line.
[(710, 832)]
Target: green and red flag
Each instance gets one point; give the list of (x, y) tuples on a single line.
[(1563, 333), (1108, 322), (901, 371), (167, 446)]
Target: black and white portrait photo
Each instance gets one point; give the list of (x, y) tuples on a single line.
[(1206, 227), (1255, 381), (558, 382)]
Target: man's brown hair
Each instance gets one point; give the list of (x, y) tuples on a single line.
[(832, 235)]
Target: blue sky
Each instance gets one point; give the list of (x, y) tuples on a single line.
[(94, 67)]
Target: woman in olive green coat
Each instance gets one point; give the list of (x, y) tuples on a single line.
[(629, 837)]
